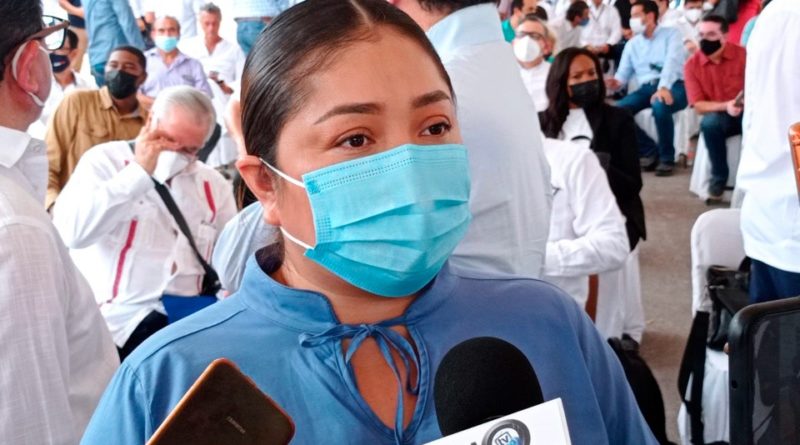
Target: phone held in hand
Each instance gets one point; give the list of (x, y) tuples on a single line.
[(225, 406)]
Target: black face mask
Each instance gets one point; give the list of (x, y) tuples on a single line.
[(120, 84), (709, 47), (59, 62), (586, 93)]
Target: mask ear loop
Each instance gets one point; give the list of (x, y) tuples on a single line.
[(282, 174), (14, 63)]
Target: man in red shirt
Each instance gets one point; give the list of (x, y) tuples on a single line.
[(714, 81)]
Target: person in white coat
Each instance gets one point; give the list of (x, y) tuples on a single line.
[(56, 355), (587, 230), (124, 240), (531, 44)]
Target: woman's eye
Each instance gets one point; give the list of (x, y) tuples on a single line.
[(354, 141), (438, 129)]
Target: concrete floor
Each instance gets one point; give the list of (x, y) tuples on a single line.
[(666, 280)]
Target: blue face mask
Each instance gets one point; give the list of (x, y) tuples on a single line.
[(387, 223), (584, 22), (166, 43)]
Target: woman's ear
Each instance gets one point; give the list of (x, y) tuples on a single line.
[(262, 184)]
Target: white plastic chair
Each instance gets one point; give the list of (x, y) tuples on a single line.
[(716, 240), (701, 172), (687, 124)]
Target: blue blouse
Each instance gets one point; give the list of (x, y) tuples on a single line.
[(289, 342)]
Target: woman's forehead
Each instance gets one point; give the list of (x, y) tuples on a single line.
[(389, 68)]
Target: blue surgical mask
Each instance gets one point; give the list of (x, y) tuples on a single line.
[(386, 223), (584, 22), (166, 43)]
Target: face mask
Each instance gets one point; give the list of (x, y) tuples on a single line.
[(169, 164), (387, 223), (584, 22), (708, 6), (709, 47), (637, 25), (585, 93), (59, 62), (526, 49), (120, 83), (36, 99), (166, 43), (693, 15)]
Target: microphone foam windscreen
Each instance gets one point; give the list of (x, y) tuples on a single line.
[(482, 379)]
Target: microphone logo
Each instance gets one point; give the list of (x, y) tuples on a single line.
[(508, 432)]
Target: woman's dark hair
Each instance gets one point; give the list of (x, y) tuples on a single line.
[(299, 42), (555, 115)]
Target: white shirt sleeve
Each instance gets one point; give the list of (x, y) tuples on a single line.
[(602, 242), (615, 23), (34, 373), (97, 198)]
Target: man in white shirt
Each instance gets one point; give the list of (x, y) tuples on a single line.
[(568, 29), (124, 239), (604, 29), (511, 194), (56, 355), (223, 61), (771, 208), (532, 42), (688, 23), (667, 16), (65, 79)]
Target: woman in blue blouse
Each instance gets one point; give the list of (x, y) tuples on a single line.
[(353, 151)]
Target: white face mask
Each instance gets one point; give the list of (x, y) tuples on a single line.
[(637, 25), (708, 6), (169, 164), (693, 15), (526, 49), (36, 99)]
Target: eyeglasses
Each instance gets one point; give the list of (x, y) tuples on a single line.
[(533, 35), (53, 33)]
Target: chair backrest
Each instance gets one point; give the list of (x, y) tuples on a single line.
[(716, 240), (764, 344)]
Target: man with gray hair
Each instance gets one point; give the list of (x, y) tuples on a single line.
[(125, 238), (223, 61)]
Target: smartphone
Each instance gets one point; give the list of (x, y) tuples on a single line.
[(739, 99), (764, 374), (794, 146), (226, 407)]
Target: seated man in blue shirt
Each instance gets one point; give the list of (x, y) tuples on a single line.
[(655, 56), (167, 66)]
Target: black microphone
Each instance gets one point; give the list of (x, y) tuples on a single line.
[(482, 379)]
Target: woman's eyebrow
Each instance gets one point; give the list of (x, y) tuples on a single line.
[(430, 98), (355, 108)]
